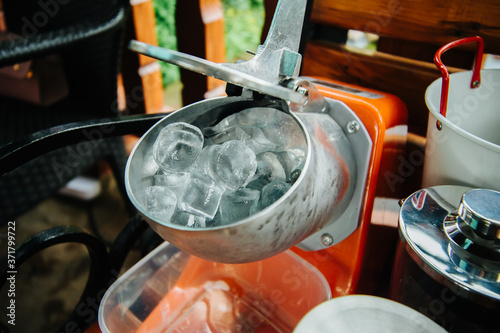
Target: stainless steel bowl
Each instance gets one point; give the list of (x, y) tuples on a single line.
[(318, 196)]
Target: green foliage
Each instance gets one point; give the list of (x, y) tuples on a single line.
[(243, 4), (166, 33), (243, 24)]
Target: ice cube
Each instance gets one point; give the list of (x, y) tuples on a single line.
[(256, 140), (225, 125), (175, 181), (201, 196), (234, 133), (188, 219), (177, 147), (292, 162), (285, 132), (269, 167), (258, 117), (233, 165), (216, 221), (272, 192), (160, 202), (257, 182), (203, 161), (239, 204)]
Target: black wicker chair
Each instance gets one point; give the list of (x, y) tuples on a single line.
[(88, 37), (43, 147)]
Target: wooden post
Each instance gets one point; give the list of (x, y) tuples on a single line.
[(149, 69), (200, 32)]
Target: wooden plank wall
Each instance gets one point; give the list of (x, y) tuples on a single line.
[(410, 32), (428, 21)]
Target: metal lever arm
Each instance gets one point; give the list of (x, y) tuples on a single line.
[(278, 58), (276, 61), (219, 71)]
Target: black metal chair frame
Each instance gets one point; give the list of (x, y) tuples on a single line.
[(105, 264)]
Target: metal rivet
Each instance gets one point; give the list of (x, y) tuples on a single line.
[(476, 84), (352, 126), (439, 125), (327, 239)]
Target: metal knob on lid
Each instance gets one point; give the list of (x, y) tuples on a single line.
[(480, 209), (474, 233)]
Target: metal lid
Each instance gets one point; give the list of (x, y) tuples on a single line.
[(453, 234)]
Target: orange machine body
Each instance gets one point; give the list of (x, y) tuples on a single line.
[(379, 112)]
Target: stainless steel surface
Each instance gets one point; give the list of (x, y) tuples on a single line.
[(276, 60), (445, 247), (319, 196), (367, 314), (474, 235), (219, 71)]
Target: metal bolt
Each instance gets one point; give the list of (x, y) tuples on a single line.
[(352, 126), (439, 125), (303, 91), (326, 239), (476, 83)]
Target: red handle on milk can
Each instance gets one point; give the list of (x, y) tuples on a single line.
[(476, 73)]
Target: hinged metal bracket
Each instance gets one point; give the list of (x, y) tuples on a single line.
[(276, 60)]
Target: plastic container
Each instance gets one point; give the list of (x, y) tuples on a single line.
[(172, 291)]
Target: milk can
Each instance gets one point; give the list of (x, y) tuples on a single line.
[(448, 258)]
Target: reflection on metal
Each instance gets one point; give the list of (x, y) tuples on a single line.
[(319, 197), (452, 236), (360, 142), (327, 197)]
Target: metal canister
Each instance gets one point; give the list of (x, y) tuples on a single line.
[(447, 264)]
